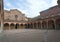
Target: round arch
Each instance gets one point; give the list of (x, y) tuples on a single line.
[(25, 26), (57, 23), (17, 26), (6, 26), (31, 26), (35, 25), (12, 26), (28, 25), (21, 26), (39, 25), (51, 24), (44, 25)]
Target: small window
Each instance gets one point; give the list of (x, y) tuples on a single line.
[(16, 16)]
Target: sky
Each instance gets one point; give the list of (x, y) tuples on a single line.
[(30, 8)]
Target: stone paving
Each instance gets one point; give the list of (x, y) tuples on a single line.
[(30, 35)]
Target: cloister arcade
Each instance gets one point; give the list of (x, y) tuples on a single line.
[(50, 23)]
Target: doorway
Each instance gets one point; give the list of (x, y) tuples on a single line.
[(16, 26)]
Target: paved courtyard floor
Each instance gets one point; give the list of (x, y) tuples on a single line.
[(30, 35)]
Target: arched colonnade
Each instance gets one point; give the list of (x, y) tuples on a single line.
[(49, 24)]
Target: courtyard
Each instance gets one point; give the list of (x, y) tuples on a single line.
[(30, 35)]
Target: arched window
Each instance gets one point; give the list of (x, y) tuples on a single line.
[(16, 16)]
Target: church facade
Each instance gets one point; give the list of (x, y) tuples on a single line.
[(14, 19)]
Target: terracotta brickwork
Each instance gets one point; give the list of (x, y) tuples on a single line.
[(50, 12), (14, 15)]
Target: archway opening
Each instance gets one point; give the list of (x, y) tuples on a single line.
[(21, 26), (28, 26), (12, 26), (35, 26), (39, 25), (16, 26), (44, 25), (6, 26), (25, 26), (58, 24), (51, 24), (31, 25)]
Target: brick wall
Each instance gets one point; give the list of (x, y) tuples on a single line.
[(49, 12), (14, 15)]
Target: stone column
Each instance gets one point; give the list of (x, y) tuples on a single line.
[(37, 25), (47, 25), (41, 24), (19, 26), (23, 26), (27, 26), (9, 26), (2, 15), (33, 25), (55, 24)]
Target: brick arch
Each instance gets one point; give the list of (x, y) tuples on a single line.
[(28, 25), (16, 26), (35, 25), (21, 26), (25, 26), (31, 26), (6, 26), (39, 25), (51, 24), (44, 25), (12, 26), (57, 23)]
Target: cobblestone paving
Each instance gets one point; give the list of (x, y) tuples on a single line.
[(31, 35)]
